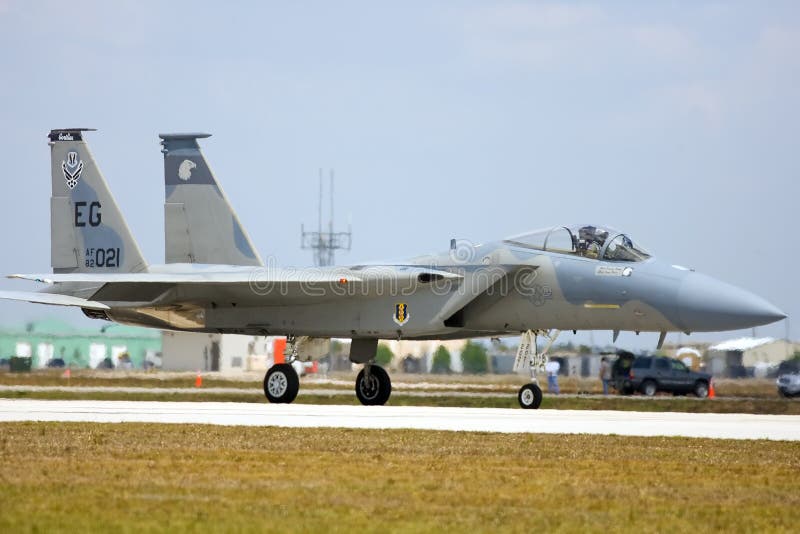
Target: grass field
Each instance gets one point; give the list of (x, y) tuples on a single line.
[(136, 477)]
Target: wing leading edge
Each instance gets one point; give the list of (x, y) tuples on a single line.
[(54, 299)]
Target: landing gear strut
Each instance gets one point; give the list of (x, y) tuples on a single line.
[(530, 395), (281, 382), (373, 386)]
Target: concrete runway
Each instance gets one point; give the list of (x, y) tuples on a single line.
[(255, 391), (731, 426)]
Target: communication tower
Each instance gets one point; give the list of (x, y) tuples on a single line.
[(325, 243)]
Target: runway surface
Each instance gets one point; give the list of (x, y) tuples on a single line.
[(256, 391), (731, 426)]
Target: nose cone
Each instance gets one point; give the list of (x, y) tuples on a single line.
[(708, 305)]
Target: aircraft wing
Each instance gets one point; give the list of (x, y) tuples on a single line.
[(52, 298), (264, 285), (256, 276), (259, 275)]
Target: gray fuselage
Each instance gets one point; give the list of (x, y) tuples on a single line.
[(499, 289)]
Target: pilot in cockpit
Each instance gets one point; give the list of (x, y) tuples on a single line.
[(590, 241)]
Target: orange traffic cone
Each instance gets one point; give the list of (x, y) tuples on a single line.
[(198, 382), (67, 374), (711, 393)]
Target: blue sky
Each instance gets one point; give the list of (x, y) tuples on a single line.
[(674, 121)]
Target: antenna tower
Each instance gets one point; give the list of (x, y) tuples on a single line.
[(324, 244)]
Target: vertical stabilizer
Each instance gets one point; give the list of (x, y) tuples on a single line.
[(200, 226), (87, 231)]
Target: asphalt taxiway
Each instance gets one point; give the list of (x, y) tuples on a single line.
[(728, 426)]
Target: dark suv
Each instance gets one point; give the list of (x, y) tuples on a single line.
[(650, 374)]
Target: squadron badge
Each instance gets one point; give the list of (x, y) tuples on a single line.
[(72, 168), (401, 315)]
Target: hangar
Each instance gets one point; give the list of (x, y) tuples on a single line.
[(51, 339), (748, 356)]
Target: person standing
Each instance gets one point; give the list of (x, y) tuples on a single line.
[(552, 367), (605, 373)]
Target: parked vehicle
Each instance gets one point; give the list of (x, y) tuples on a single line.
[(789, 384), (620, 370), (56, 363), (651, 374)]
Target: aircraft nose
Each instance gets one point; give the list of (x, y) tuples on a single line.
[(706, 304)]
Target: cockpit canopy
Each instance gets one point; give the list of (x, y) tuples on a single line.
[(585, 240)]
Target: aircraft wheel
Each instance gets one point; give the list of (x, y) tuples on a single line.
[(530, 396), (281, 383), (375, 389)]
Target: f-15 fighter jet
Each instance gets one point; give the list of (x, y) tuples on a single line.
[(573, 277)]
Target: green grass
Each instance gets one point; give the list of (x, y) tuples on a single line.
[(119, 379), (82, 477)]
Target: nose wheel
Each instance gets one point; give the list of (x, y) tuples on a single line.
[(530, 396), (373, 386)]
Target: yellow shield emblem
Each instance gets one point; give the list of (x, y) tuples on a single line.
[(401, 315)]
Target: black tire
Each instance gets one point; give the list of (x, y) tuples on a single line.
[(376, 390), (281, 383), (530, 397), (701, 389), (649, 388)]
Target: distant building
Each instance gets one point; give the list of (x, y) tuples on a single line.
[(190, 351), (748, 356), (49, 339)]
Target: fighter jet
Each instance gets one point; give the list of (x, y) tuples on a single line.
[(534, 284)]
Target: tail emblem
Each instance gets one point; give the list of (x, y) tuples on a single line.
[(185, 169), (72, 168)]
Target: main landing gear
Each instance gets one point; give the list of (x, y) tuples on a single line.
[(530, 395), (373, 386), (281, 382)]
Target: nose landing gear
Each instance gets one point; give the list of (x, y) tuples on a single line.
[(530, 395)]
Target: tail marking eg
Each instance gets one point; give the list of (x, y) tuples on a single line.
[(87, 230)]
